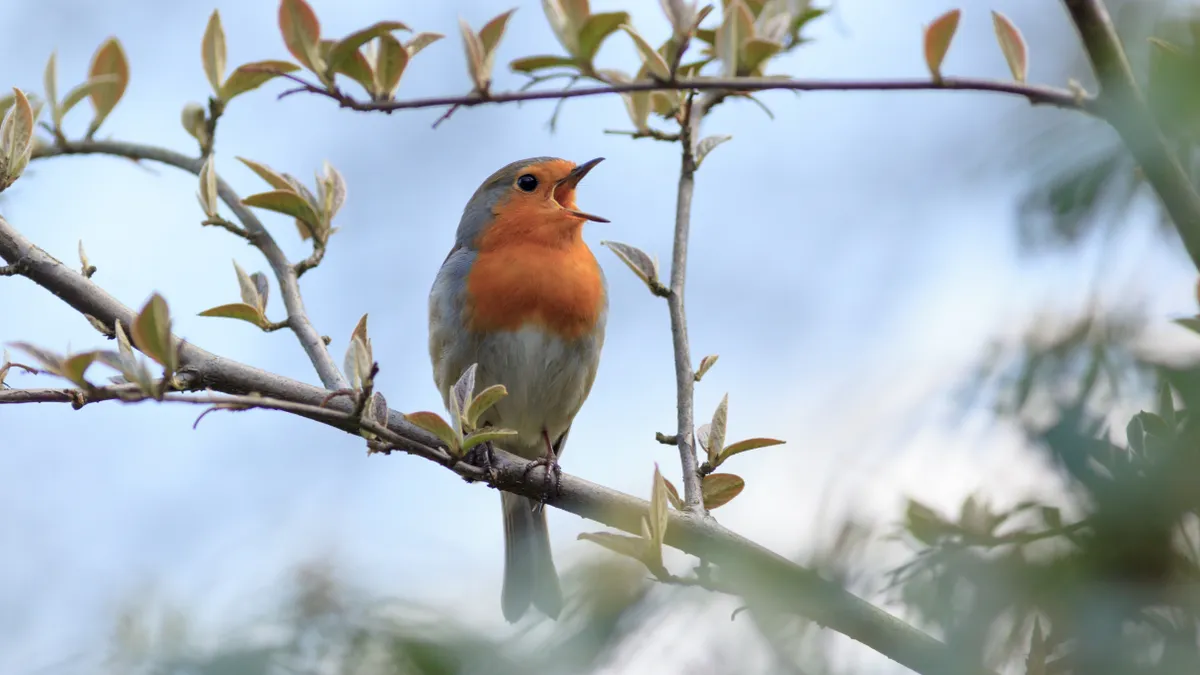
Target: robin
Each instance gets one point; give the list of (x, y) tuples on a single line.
[(522, 296)]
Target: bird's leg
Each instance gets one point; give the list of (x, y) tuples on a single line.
[(550, 462), (483, 456)]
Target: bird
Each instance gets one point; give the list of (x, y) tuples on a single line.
[(521, 296)]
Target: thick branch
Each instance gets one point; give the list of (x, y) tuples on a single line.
[(1123, 105), (685, 379), (285, 274), (759, 574), (1060, 98)]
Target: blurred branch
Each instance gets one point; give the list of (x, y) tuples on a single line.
[(1038, 95), (755, 572), (1123, 105), (285, 273)]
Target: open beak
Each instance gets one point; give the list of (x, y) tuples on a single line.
[(572, 180)]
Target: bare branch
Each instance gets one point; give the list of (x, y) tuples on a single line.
[(285, 274), (1038, 95), (1124, 107), (759, 575)]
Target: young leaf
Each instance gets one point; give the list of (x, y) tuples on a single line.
[(421, 41), (756, 52), (331, 191), (632, 547), (212, 51), (561, 24), (109, 59), (464, 389), (50, 84), (238, 310), (719, 489), (1012, 44), (645, 267), (937, 41), (75, 366), (360, 331), (706, 364), (48, 360), (596, 31), (484, 435), (746, 445), (263, 286), (736, 27), (357, 363), (285, 202), (637, 104), (650, 57), (673, 495), (530, 64), (251, 76), (716, 434), (152, 333), (16, 139), (85, 267), (274, 178), (702, 434), (208, 188), (434, 424), (708, 144), (301, 32), (80, 92), (483, 401), (473, 48), (658, 518), (343, 50), (492, 31), (390, 61), (248, 290)]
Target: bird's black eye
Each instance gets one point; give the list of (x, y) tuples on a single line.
[(527, 182)]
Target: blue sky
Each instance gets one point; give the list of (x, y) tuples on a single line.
[(849, 260)]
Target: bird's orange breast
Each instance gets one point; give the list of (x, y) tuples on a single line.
[(536, 270)]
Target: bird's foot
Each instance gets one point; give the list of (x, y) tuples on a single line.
[(552, 475), (483, 456)]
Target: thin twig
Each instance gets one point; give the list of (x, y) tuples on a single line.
[(285, 274), (684, 377), (1038, 95)]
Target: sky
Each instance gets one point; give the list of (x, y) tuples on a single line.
[(850, 260)]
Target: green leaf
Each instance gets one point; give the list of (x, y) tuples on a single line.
[(596, 30), (152, 333), (658, 518), (755, 54), (212, 51), (434, 424), (285, 202), (530, 64), (251, 76), (464, 389), (716, 433), (247, 288), (650, 57), (746, 445), (357, 363), (75, 366), (16, 139), (421, 41), (633, 547), (938, 36), (238, 310), (483, 401), (50, 84), (484, 435), (343, 50), (275, 179), (79, 92), (492, 31), (391, 60), (109, 59), (719, 489), (48, 360), (301, 32), (1012, 45), (736, 27)]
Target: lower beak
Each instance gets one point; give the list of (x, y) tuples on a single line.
[(573, 179)]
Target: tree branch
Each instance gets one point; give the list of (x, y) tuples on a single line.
[(1123, 105), (285, 274), (1038, 95), (757, 573)]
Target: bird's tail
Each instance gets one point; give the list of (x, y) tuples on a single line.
[(529, 574)]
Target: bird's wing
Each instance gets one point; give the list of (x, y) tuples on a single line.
[(447, 329)]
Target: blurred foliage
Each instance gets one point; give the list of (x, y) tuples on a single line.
[(1085, 181)]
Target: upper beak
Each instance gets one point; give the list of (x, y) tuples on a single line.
[(573, 179)]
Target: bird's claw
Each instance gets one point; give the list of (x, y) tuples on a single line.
[(483, 456), (553, 474)]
